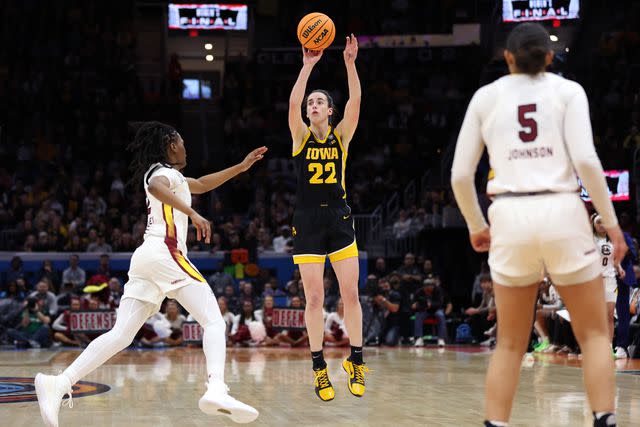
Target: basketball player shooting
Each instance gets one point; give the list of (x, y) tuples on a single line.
[(536, 128), (160, 268)]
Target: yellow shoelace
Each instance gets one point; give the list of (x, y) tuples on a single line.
[(322, 378), (358, 373)]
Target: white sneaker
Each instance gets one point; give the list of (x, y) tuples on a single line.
[(216, 401), (50, 390), (621, 353), (419, 342), (440, 342)]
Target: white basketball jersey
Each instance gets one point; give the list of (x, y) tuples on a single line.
[(163, 220), (523, 121), (605, 248)]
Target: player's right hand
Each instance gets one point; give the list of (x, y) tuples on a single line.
[(203, 227), (481, 241), (619, 244), (311, 57)]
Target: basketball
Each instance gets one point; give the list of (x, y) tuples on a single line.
[(316, 31)]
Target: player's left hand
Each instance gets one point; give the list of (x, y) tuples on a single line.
[(350, 50), (621, 272), (253, 157), (481, 241)]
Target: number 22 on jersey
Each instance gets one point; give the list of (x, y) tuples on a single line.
[(318, 170)]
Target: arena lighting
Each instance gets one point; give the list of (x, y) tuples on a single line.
[(553, 38), (209, 58), (208, 46), (566, 49)]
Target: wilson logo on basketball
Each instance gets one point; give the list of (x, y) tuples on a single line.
[(310, 28)]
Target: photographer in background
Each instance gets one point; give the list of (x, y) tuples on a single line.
[(34, 327), (385, 322), (429, 302)]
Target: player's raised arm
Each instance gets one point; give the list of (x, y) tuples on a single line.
[(347, 127), (214, 180), (296, 125)]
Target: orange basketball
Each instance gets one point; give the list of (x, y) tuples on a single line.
[(316, 31)]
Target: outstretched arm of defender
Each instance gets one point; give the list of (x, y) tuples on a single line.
[(296, 125), (214, 180), (347, 127), (159, 187)]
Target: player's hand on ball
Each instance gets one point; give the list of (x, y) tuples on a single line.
[(252, 157), (619, 244), (481, 241), (203, 227), (311, 57), (350, 50)]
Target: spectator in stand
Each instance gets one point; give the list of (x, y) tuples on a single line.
[(15, 269), (380, 270), (232, 300), (410, 279), (219, 280), (62, 326), (283, 243), (294, 337), (265, 314), (240, 333), (226, 315), (167, 326), (12, 293), (548, 304), (65, 296), (247, 294), (429, 302), (74, 274), (100, 245), (482, 317), (115, 290), (476, 292), (331, 296), (33, 330), (335, 333), (386, 306), (427, 269), (42, 293), (93, 203), (402, 226), (47, 271), (104, 268)]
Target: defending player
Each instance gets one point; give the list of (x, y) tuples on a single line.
[(322, 221), (537, 131), (160, 268)]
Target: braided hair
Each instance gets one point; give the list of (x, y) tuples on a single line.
[(149, 146)]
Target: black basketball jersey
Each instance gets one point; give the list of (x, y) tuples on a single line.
[(320, 166)]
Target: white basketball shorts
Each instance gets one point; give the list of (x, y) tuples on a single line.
[(549, 232), (157, 269)]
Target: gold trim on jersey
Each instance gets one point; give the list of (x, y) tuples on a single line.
[(309, 259), (304, 142), (322, 141), (344, 253), (171, 241), (344, 164)]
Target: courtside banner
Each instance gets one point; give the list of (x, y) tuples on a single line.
[(95, 321), (191, 333), (288, 318)]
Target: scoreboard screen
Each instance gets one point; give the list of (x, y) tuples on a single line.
[(539, 10), (617, 183), (216, 16)]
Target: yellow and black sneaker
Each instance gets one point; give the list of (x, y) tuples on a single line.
[(324, 389), (356, 376)]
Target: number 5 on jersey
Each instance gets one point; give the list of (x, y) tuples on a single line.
[(529, 133), (317, 170)]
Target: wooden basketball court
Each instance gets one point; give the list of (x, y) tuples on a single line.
[(408, 387)]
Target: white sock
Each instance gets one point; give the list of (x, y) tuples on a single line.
[(499, 423), (131, 316), (198, 299)]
